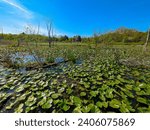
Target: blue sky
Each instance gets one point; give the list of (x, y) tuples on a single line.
[(73, 17)]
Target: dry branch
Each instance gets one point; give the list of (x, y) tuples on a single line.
[(147, 39)]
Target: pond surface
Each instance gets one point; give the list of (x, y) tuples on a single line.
[(24, 58), (13, 80)]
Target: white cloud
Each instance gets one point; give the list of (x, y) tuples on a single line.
[(20, 17), (19, 7)]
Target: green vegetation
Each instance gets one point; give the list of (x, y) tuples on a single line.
[(104, 73), (119, 36), (108, 79)]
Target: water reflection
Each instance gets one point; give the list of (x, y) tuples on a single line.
[(24, 58)]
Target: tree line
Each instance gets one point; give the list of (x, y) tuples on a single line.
[(121, 35)]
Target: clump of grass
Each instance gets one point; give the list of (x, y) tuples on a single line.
[(50, 59), (5, 58), (71, 56)]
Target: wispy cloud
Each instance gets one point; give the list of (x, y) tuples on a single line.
[(16, 13), (18, 6), (20, 16)]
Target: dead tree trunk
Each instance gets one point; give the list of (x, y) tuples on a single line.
[(1, 37), (37, 34), (50, 32), (147, 39), (18, 42)]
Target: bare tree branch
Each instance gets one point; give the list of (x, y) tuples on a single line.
[(50, 32), (38, 29), (1, 33), (31, 30), (147, 39)]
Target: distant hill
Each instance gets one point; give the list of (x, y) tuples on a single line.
[(123, 35), (123, 30)]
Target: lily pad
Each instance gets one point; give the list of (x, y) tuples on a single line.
[(30, 101), (76, 100), (43, 101), (82, 94), (129, 87), (94, 93), (99, 104), (61, 90), (109, 93), (77, 110), (48, 104), (55, 95), (115, 103), (20, 108), (142, 100), (20, 89), (28, 109), (66, 107)]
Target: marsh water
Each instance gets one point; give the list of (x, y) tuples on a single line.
[(106, 79), (25, 58)]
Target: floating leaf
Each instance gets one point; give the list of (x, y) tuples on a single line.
[(86, 85), (69, 90), (77, 110), (142, 100), (86, 109), (28, 109), (128, 93), (2, 95), (20, 108), (66, 107), (141, 93), (30, 101), (142, 85), (102, 97), (77, 101), (57, 101), (54, 82), (94, 93), (109, 93), (61, 90), (42, 101), (20, 89), (114, 103), (104, 87), (105, 104), (31, 98), (55, 95), (82, 94), (10, 106), (137, 89), (143, 110), (136, 73), (129, 87), (95, 109), (48, 104), (99, 104), (123, 108)]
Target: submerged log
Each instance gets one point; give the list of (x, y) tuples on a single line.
[(44, 65)]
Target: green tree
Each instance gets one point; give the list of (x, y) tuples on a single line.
[(77, 38)]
